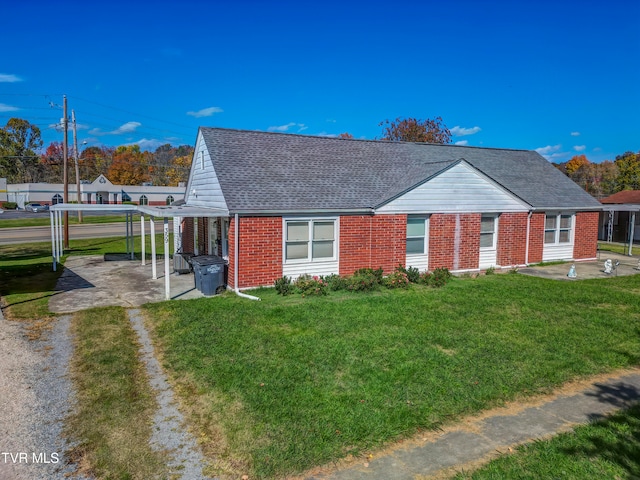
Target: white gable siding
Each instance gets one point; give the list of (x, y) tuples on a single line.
[(460, 189), (204, 189)]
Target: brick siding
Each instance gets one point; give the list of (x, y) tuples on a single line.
[(586, 235)]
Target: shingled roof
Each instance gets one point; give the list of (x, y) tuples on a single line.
[(284, 172), (625, 196)]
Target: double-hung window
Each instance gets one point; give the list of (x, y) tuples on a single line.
[(488, 231), (557, 228), (310, 240), (416, 235)]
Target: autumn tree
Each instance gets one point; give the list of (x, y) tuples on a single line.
[(19, 143), (416, 130), (629, 171), (52, 163), (345, 135), (575, 163), (179, 170), (129, 166)]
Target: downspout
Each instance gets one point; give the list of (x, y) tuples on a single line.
[(526, 250), (236, 241)]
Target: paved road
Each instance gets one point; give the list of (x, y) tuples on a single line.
[(9, 236)]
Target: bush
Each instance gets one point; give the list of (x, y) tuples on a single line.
[(490, 271), (9, 205), (439, 277), (283, 286), (412, 273), (364, 280), (335, 282), (308, 285), (397, 279)]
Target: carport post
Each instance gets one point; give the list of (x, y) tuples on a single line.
[(142, 242), (632, 228), (59, 236), (53, 242), (167, 285), (154, 272)]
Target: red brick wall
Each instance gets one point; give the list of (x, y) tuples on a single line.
[(260, 251), (512, 239), (586, 235), (536, 237), (454, 241), (372, 242), (187, 235)]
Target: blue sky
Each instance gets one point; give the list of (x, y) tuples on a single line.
[(561, 77)]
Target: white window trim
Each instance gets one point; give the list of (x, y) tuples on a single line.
[(426, 235), (557, 229), (496, 218), (310, 220)]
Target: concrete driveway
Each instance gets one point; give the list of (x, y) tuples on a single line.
[(584, 270), (92, 281)]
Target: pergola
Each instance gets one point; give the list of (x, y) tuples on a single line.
[(153, 212)]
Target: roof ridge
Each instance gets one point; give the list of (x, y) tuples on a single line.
[(388, 142)]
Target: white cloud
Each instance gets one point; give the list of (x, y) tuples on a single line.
[(459, 131), (285, 128), (148, 144), (7, 108), (205, 112), (126, 128), (462, 143), (575, 134), (580, 148), (548, 150), (8, 78)]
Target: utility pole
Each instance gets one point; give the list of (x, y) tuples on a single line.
[(65, 154), (75, 155)]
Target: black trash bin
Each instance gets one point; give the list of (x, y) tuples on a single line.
[(208, 271)]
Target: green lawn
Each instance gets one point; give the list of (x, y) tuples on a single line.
[(607, 449), (618, 248), (278, 386), (43, 221)]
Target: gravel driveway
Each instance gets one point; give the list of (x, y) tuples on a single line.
[(35, 396)]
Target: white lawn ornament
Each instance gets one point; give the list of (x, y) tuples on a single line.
[(638, 266), (572, 271), (608, 266)]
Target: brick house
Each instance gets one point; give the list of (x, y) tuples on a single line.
[(284, 204)]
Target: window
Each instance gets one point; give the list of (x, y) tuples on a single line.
[(169, 200), (57, 198), (416, 235), (310, 240), (488, 231), (557, 228), (125, 197), (201, 159), (143, 200)]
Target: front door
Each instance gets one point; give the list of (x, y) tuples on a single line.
[(214, 236), (488, 241)]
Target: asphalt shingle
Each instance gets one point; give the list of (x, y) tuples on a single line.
[(263, 171)]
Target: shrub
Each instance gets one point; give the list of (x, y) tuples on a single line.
[(412, 273), (397, 279), (439, 277), (308, 285), (364, 279), (9, 205), (283, 286), (335, 282), (490, 271)]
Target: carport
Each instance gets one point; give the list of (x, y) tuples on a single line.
[(176, 212)]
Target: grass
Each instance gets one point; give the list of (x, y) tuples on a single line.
[(279, 386), (110, 427), (607, 449), (28, 280), (617, 248), (73, 220)]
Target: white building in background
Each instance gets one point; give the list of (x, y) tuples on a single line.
[(100, 191)]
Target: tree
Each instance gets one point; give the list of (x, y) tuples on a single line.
[(345, 135), (129, 166), (629, 167), (95, 161), (416, 130), (52, 163), (575, 163), (19, 142), (179, 170)]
